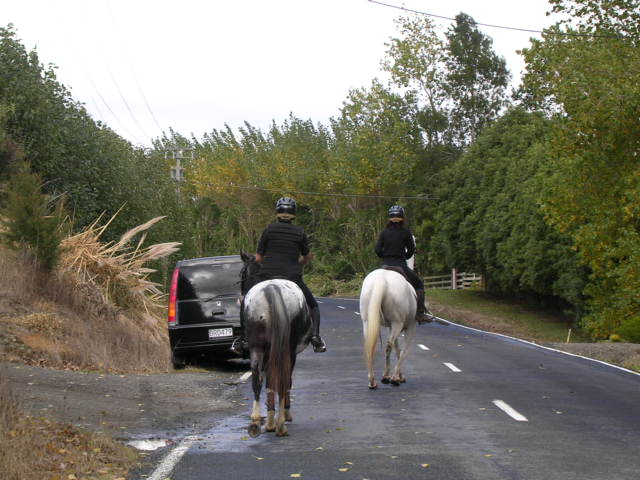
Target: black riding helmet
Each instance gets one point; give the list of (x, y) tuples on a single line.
[(286, 205), (396, 211)]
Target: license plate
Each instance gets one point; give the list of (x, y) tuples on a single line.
[(220, 332)]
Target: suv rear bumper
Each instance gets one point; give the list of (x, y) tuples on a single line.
[(187, 339)]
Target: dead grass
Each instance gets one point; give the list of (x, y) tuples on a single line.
[(63, 451), (98, 311)]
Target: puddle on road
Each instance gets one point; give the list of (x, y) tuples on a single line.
[(149, 445)]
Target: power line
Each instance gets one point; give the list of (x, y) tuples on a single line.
[(103, 100), (568, 34), (319, 194), (132, 69), (115, 81)]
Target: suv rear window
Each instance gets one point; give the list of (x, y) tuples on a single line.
[(199, 282)]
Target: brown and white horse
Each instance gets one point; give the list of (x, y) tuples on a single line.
[(387, 299), (277, 326)]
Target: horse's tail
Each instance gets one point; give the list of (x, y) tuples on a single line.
[(374, 318), (279, 366)]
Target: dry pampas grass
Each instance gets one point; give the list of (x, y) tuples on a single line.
[(116, 268)]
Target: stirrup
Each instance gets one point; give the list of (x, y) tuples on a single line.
[(318, 344), (424, 317), (239, 346)]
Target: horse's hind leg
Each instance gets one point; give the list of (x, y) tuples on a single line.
[(256, 381), (287, 399), (387, 362), (402, 354), (281, 429), (396, 378), (271, 411)]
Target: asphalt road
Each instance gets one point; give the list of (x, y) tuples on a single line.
[(475, 406)]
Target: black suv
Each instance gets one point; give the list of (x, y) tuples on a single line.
[(204, 307)]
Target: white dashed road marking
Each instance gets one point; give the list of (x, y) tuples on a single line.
[(171, 460), (343, 308), (357, 313), (453, 367), (510, 411), (423, 347), (245, 376)]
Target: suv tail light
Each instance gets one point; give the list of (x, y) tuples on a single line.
[(172, 297)]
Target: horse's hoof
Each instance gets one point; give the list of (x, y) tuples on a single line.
[(385, 380), (254, 430), (282, 432), (395, 382), (373, 386), (269, 428), (288, 417)]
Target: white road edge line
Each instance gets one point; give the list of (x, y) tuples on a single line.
[(452, 367), (343, 308), (171, 460), (506, 408), (245, 376), (423, 347), (541, 346), (357, 313)]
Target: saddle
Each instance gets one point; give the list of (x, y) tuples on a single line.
[(396, 269)]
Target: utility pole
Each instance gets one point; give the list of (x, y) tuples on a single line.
[(177, 155)]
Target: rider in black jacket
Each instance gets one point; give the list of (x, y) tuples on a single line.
[(395, 245), (282, 250)]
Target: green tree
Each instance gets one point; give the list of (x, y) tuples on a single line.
[(32, 219), (489, 218), (586, 70), (476, 80)]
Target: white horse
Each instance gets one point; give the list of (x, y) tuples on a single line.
[(388, 299)]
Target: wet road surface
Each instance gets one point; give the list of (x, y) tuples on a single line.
[(475, 406)]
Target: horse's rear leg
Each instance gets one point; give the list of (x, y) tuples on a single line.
[(387, 362), (402, 354), (256, 382), (287, 400), (271, 411), (396, 378), (281, 429)]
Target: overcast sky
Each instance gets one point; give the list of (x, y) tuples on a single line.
[(143, 66)]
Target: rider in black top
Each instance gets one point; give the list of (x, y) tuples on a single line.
[(395, 245), (282, 250)]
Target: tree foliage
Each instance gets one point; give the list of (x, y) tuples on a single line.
[(31, 219), (590, 76), (489, 218)]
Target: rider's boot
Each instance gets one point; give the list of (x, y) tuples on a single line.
[(421, 314), (317, 342)]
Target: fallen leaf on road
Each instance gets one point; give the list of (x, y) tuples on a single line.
[(424, 465), (343, 469), (295, 475)]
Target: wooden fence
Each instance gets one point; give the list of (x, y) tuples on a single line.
[(457, 280)]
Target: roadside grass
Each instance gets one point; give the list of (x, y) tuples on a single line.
[(97, 311), (36, 448), (508, 316)]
